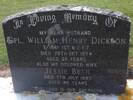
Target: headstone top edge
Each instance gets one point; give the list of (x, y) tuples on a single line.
[(101, 11)]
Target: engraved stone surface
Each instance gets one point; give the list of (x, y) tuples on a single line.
[(68, 49)]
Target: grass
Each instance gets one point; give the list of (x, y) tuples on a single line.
[(8, 7)]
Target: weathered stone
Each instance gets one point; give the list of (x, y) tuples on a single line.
[(68, 48)]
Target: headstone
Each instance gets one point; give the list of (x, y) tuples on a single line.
[(68, 49)]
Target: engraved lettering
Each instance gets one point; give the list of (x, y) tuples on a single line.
[(110, 22), (70, 17)]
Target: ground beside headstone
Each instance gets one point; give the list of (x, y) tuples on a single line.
[(7, 93)]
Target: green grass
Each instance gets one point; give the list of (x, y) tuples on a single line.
[(8, 7)]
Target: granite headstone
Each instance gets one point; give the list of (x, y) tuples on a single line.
[(68, 49)]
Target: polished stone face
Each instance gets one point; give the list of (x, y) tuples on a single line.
[(63, 49)]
